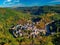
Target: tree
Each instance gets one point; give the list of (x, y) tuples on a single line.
[(20, 40)]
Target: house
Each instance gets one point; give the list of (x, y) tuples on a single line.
[(42, 31)]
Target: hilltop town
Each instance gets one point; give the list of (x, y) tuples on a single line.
[(33, 27), (18, 28)]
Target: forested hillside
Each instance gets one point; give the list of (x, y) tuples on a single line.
[(9, 17), (36, 10)]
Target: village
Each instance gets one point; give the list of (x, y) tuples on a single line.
[(33, 30)]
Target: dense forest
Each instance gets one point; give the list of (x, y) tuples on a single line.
[(37, 10)]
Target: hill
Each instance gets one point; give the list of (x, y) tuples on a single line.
[(37, 10), (9, 17)]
